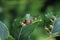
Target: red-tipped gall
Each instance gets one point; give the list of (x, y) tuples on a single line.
[(21, 23)]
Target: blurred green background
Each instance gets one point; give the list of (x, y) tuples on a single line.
[(12, 9)]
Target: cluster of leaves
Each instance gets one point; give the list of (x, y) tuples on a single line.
[(23, 31), (34, 31), (26, 28)]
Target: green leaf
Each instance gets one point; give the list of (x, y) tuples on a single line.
[(56, 25), (48, 15), (26, 31), (10, 38), (16, 26), (4, 32)]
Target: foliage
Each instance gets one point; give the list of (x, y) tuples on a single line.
[(10, 38), (4, 32), (12, 12)]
